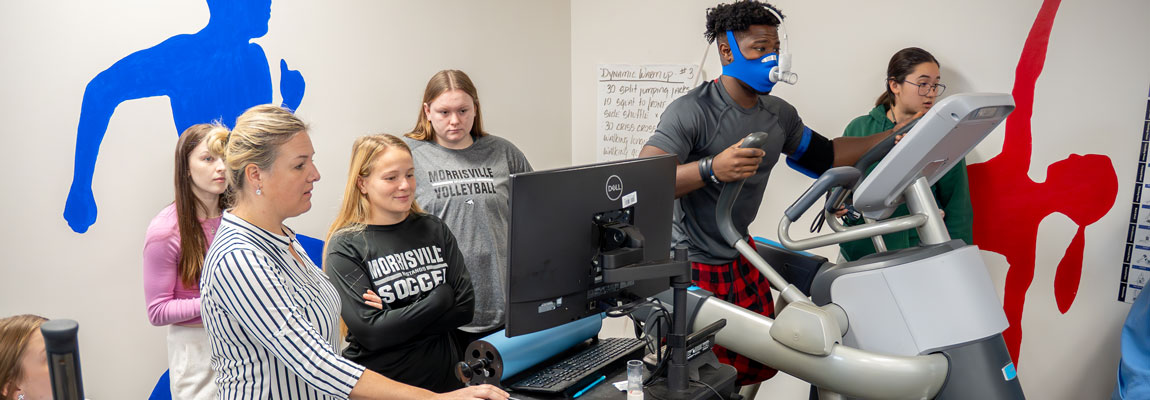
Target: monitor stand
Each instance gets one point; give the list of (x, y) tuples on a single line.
[(712, 382)]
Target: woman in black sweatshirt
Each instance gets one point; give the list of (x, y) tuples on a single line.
[(402, 281)]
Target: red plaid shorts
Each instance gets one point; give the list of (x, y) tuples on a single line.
[(738, 283)]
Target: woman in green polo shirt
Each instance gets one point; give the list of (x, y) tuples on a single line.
[(912, 86)]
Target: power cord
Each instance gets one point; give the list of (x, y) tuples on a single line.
[(655, 322), (716, 392), (651, 330)]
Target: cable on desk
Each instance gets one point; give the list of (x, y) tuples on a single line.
[(654, 322), (716, 392)]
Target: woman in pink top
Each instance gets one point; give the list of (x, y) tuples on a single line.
[(174, 249)]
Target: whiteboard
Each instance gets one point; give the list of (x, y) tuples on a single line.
[(631, 99)]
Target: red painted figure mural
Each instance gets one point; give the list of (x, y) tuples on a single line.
[(1008, 205)]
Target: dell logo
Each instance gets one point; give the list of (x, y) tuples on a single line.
[(614, 187)]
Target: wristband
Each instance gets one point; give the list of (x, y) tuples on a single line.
[(707, 170), (714, 178), (704, 167)]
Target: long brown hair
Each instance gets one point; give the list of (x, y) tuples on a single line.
[(193, 244), (15, 332), (354, 208), (440, 83), (902, 64)]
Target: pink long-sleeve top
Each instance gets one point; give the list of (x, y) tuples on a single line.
[(169, 301)]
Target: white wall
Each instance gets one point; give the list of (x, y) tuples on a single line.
[(365, 63), (1091, 98)]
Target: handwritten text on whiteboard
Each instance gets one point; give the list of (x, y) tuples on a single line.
[(631, 100)]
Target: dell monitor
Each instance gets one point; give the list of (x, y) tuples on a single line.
[(569, 225)]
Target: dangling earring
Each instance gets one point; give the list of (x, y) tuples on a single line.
[(259, 191), (20, 396)]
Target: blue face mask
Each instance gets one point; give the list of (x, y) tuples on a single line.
[(754, 72)]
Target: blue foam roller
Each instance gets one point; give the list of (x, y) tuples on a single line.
[(503, 357)]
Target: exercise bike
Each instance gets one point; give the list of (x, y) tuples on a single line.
[(917, 323)]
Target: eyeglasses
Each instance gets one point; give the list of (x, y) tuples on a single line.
[(925, 88)]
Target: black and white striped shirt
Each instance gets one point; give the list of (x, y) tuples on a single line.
[(272, 321)]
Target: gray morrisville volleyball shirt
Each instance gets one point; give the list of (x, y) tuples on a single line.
[(468, 190)]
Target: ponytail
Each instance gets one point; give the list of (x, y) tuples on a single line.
[(218, 139)]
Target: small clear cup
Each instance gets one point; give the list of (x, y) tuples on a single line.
[(634, 380)]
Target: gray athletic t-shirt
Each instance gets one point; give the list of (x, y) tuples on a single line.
[(468, 190), (704, 122)]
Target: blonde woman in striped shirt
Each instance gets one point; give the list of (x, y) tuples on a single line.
[(271, 315)]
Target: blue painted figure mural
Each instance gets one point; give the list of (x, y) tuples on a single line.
[(213, 74)]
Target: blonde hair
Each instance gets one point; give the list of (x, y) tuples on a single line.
[(354, 208), (15, 332), (256, 139), (440, 83)]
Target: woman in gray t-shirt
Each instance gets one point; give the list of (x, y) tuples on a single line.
[(462, 178)]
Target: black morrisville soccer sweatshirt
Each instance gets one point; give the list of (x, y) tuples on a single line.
[(418, 271)]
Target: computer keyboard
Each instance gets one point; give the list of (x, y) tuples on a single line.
[(580, 368)]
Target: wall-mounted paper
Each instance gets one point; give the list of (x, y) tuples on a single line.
[(1136, 261), (631, 100)]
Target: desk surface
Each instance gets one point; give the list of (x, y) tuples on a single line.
[(606, 390)]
